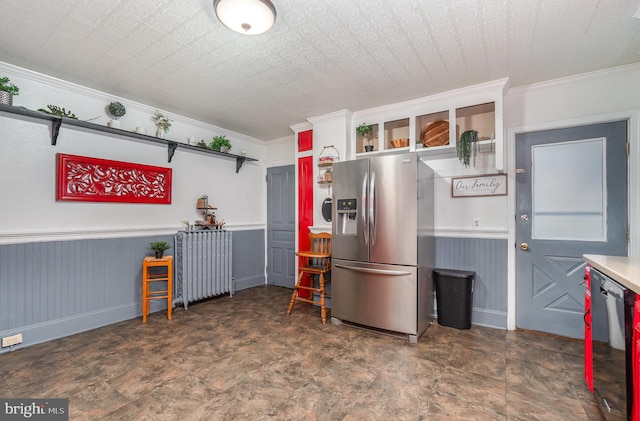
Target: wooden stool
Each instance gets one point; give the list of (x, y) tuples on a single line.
[(148, 278)]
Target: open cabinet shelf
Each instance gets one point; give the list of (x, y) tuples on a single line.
[(434, 124)]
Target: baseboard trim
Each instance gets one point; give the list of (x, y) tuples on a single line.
[(54, 329), (253, 281)]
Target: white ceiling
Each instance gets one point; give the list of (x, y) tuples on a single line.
[(321, 55)]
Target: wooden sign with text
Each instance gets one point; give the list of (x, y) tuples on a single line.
[(481, 185)]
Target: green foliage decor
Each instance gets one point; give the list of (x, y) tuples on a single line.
[(467, 147), (218, 142), (161, 121), (117, 110), (159, 246), (58, 111), (7, 86), (364, 129)]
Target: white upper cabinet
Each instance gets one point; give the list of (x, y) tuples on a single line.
[(432, 125)]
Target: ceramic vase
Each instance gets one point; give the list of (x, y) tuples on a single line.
[(160, 133), (6, 98)]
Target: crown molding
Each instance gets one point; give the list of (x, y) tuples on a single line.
[(11, 69)]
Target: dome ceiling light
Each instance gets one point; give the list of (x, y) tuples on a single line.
[(250, 17)]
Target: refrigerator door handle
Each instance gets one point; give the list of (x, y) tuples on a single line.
[(372, 207), (374, 271), (365, 230)]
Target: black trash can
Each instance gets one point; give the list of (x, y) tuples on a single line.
[(454, 292)]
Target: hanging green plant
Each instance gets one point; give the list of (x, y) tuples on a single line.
[(57, 111), (467, 147)]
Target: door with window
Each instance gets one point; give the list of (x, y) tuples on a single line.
[(571, 199)]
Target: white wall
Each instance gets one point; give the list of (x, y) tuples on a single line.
[(328, 130), (29, 211), (280, 151)]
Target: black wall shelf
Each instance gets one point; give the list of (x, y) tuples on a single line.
[(57, 122)]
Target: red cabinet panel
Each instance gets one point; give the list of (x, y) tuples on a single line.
[(588, 334), (635, 362), (305, 141), (305, 208)]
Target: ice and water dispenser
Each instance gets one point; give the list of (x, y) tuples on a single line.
[(347, 211)]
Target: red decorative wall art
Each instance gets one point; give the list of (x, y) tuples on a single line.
[(101, 180)]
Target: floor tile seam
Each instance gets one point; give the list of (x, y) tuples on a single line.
[(550, 395), (128, 401), (246, 402), (503, 381), (50, 373), (511, 404), (477, 403), (534, 347)]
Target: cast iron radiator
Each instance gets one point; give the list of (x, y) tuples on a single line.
[(203, 265)]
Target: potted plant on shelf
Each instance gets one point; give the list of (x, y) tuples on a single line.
[(7, 91), (220, 143), (117, 110), (365, 130), (202, 202), (58, 111), (467, 147), (328, 175), (159, 247), (162, 123)]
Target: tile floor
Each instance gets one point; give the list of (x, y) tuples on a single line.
[(243, 358)]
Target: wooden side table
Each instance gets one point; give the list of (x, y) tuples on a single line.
[(147, 278)]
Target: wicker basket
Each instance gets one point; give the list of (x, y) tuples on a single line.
[(399, 143)]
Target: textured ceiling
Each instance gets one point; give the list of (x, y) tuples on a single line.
[(321, 55)]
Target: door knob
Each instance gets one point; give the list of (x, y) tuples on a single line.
[(524, 246)]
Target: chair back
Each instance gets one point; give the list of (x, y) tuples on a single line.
[(321, 243)]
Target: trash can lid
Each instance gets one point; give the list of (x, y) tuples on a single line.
[(455, 273)]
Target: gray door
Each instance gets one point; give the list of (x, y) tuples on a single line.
[(571, 199), (281, 226)]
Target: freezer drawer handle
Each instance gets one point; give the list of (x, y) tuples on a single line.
[(376, 271)]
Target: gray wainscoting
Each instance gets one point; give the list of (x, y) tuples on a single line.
[(488, 258), (54, 289), (248, 259)]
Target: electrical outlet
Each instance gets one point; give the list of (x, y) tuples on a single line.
[(476, 223), (12, 340)]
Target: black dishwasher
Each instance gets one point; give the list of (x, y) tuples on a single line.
[(612, 309)]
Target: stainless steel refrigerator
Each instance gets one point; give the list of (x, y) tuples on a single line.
[(383, 246)]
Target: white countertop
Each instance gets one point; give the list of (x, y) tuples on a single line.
[(624, 270)]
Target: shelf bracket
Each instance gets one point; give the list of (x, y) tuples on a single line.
[(55, 130), (239, 161), (171, 149)]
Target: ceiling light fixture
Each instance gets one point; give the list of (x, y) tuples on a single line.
[(249, 17)]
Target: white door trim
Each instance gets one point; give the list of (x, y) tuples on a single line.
[(633, 116)]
